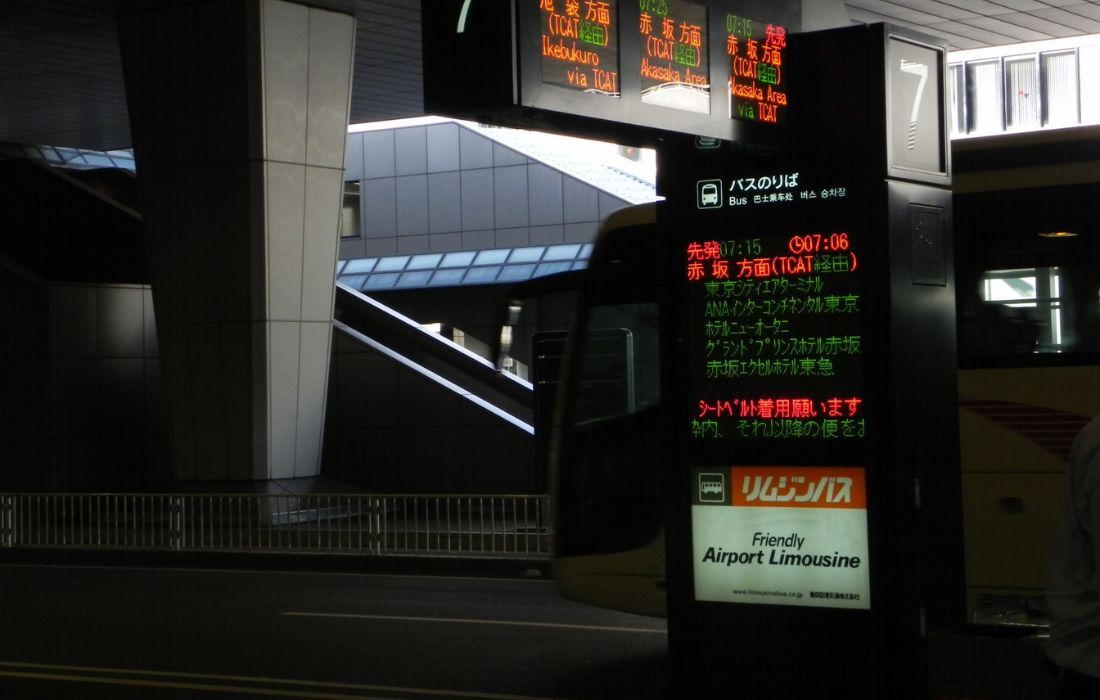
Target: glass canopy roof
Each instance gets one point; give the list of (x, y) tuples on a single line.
[(468, 267)]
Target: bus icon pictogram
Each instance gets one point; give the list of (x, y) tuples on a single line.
[(709, 194), (712, 487)]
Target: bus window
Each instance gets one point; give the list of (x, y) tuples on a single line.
[(1028, 276), (617, 368), (1035, 311)]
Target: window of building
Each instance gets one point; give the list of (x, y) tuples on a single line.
[(983, 96), (1060, 87), (349, 212), (1021, 92), (958, 99)]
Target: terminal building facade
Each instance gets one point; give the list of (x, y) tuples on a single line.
[(438, 218)]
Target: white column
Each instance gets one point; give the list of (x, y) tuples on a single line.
[(239, 115)]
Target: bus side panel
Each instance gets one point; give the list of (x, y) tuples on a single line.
[(1016, 426)]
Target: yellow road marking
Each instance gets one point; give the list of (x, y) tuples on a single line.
[(205, 687), (58, 672), (470, 621)]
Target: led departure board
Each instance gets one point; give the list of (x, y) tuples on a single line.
[(636, 71), (674, 64), (580, 45), (757, 91), (775, 308)]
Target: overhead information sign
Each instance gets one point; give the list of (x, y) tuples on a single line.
[(757, 88), (702, 67), (793, 536), (580, 45), (674, 64)]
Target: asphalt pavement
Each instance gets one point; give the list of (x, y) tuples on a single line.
[(111, 631)]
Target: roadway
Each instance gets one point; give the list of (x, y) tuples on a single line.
[(142, 632)]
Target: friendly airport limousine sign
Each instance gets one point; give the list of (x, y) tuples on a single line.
[(794, 536)]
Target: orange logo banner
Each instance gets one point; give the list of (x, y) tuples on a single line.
[(799, 487)]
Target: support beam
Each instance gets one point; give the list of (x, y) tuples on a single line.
[(239, 116)]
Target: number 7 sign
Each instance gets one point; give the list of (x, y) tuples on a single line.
[(916, 133)]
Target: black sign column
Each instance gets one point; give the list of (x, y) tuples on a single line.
[(815, 533)]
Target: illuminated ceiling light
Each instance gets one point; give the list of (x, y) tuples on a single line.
[(1058, 234)]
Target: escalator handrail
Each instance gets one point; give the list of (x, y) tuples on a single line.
[(378, 321)]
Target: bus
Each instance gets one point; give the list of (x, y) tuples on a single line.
[(1027, 238), (1027, 279)]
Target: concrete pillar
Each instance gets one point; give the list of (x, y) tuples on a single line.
[(239, 110)]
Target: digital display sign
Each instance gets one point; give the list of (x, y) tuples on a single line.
[(580, 45), (674, 64), (771, 263), (757, 89), (775, 335), (634, 71)]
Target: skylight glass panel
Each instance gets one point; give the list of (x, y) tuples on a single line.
[(354, 281), (461, 259), (391, 264), (482, 275), (552, 268), (447, 277), (359, 266), (492, 257), (524, 255), (562, 252), (516, 273), (385, 281), (419, 278), (50, 154), (425, 262), (99, 161)]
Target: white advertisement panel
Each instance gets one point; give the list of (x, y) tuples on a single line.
[(781, 536)]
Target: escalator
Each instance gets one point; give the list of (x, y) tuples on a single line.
[(437, 358)]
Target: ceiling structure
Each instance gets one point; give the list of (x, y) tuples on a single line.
[(973, 24), (61, 77)]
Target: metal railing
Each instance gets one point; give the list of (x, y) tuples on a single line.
[(442, 525)]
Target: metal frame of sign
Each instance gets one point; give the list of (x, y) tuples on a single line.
[(917, 146)]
